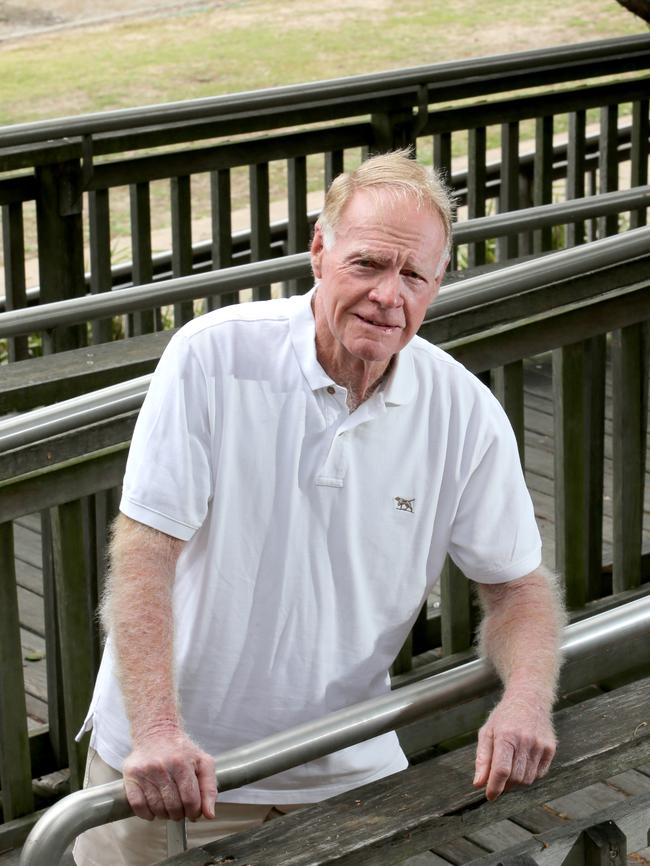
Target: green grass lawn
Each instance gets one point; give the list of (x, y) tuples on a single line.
[(250, 44)]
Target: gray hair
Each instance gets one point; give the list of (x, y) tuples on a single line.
[(401, 175)]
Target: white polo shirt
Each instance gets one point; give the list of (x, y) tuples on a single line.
[(314, 535)]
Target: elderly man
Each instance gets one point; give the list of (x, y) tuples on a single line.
[(299, 471)]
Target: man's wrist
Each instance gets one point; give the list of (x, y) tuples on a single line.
[(161, 727)]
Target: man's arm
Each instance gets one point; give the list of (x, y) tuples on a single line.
[(521, 635), (166, 775)]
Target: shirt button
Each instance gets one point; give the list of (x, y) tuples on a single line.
[(331, 389)]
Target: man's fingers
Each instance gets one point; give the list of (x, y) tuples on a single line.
[(483, 756), (205, 775), (137, 800), (500, 769), (545, 762)]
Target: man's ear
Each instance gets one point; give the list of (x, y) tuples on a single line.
[(317, 247)]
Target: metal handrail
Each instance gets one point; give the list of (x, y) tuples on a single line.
[(595, 638), (311, 94), (38, 424), (559, 265), (66, 415)]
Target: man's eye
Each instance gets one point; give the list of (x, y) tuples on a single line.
[(364, 263), (412, 275)]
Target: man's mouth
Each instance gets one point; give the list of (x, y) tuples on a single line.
[(387, 327)]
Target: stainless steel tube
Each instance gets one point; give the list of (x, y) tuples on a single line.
[(69, 414), (598, 637), (474, 290)]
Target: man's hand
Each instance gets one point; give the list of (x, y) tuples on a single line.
[(515, 746), (168, 776)]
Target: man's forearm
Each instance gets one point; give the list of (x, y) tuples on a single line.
[(521, 633), (166, 775), (138, 611)]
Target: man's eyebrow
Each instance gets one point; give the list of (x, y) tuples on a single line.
[(372, 255)]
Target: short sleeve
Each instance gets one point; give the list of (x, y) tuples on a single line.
[(494, 535), (168, 478)]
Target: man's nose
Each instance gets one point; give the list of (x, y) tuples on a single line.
[(387, 290)]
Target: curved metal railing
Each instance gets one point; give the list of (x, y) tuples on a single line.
[(595, 641)]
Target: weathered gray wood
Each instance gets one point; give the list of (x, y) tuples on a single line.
[(60, 244), (571, 492), (13, 251), (604, 845), (333, 166), (630, 382), (508, 247), (101, 278), (40, 381), (575, 180), (639, 155), (15, 768), (78, 444), (550, 848), (298, 229), (433, 802), (456, 609), (499, 835), (221, 211), (100, 471), (496, 347), (143, 321), (476, 193), (543, 178), (260, 221), (55, 704), (508, 383), (181, 212), (75, 616), (608, 163)]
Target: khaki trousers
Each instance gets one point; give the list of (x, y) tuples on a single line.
[(135, 842)]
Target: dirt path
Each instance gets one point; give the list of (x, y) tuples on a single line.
[(23, 18)]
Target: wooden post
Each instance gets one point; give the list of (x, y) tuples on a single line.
[(142, 321), (100, 257), (15, 765), (629, 414), (55, 710), (509, 390), (221, 232), (476, 192), (639, 156), (75, 627), (604, 845), (260, 221), (543, 179), (571, 499), (182, 263), (333, 166), (13, 246), (456, 609), (508, 247), (298, 229), (60, 245)]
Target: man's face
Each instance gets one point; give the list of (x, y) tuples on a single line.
[(377, 279)]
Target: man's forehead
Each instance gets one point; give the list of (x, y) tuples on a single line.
[(382, 206)]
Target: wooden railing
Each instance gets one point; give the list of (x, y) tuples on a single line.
[(63, 180), (492, 323), (67, 177)]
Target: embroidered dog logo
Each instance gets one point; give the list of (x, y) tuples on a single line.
[(404, 504)]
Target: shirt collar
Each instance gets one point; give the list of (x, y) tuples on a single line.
[(401, 385)]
